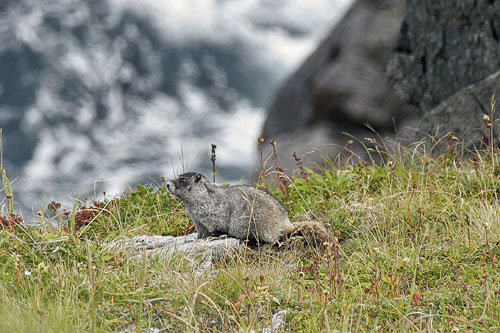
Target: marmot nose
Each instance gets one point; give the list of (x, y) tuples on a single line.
[(169, 185)]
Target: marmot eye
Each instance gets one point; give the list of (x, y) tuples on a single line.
[(182, 180)]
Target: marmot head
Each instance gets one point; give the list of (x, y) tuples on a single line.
[(189, 186)]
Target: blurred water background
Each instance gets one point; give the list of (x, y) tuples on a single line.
[(100, 95)]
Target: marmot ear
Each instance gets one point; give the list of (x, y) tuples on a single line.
[(197, 177)]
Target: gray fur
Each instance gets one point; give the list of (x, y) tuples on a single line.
[(239, 211)]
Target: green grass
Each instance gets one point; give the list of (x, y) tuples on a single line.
[(419, 236)]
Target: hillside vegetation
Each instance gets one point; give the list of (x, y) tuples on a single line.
[(419, 246)]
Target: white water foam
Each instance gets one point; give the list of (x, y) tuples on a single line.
[(139, 138), (276, 34)]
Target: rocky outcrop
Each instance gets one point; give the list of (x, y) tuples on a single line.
[(444, 46), (393, 66), (444, 65), (341, 87), (462, 116)]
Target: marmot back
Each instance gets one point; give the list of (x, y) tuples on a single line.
[(242, 212)]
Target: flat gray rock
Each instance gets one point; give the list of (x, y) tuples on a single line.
[(200, 252)]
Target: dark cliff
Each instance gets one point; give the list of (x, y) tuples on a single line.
[(406, 68)]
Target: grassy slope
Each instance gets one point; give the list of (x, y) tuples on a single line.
[(420, 242)]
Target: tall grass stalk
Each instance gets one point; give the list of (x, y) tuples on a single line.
[(92, 287), (141, 286)]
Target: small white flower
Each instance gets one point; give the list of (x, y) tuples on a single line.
[(27, 273), (406, 259), (376, 249)]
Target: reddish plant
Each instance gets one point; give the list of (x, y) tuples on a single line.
[(11, 220), (280, 179), (303, 171), (86, 214), (53, 206)]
